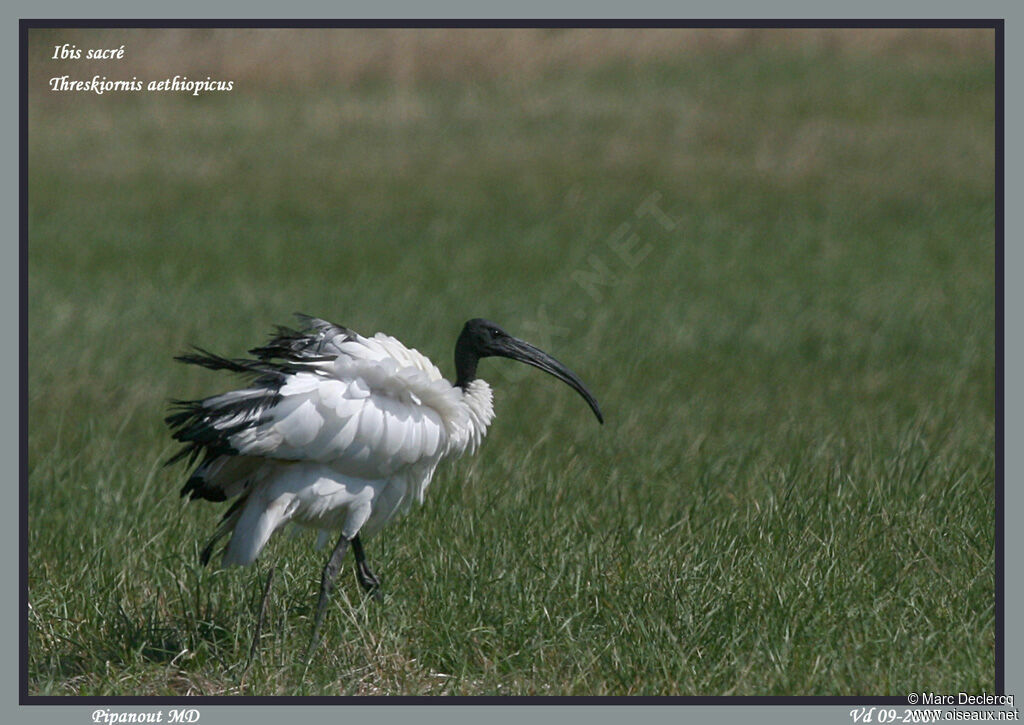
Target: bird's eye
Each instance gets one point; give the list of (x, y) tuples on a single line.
[(495, 332)]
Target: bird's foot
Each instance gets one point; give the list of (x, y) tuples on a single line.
[(368, 580)]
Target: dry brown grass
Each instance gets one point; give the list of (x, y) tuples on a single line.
[(271, 58)]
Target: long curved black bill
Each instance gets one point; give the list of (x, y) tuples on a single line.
[(527, 353)]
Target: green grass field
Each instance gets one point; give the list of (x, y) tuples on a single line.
[(794, 489)]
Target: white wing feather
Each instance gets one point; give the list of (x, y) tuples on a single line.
[(355, 439), (376, 409), (300, 427)]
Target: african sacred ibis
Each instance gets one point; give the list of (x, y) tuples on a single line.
[(336, 431)]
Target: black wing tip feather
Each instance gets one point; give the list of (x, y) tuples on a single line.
[(262, 369), (222, 530), (206, 426), (211, 360), (196, 488), (320, 325), (301, 345)]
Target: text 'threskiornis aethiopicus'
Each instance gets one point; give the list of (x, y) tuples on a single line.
[(337, 432)]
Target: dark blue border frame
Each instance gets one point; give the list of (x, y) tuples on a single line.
[(1000, 608)]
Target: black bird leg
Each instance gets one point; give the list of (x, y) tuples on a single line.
[(326, 585), (367, 579), (259, 621)]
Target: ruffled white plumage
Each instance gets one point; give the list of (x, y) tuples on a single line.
[(350, 442)]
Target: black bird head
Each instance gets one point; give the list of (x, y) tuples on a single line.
[(482, 338)]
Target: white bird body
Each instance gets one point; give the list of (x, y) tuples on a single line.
[(337, 432), (353, 435)]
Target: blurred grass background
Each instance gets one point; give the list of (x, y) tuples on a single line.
[(770, 253)]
